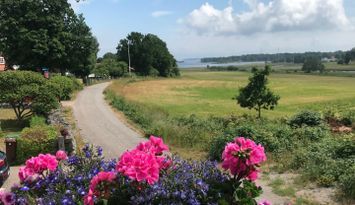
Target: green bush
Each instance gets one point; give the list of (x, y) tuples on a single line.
[(347, 183), (36, 140), (46, 99), (77, 85), (66, 85), (306, 117), (37, 121)]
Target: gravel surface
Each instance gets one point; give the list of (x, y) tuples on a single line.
[(99, 125)]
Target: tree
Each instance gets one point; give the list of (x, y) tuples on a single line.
[(36, 34), (256, 95), (347, 58), (147, 52), (28, 92), (312, 64), (110, 67)]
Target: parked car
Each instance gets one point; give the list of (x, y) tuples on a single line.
[(4, 168)]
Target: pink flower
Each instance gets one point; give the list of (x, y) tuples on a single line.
[(264, 203), (25, 173), (37, 165), (101, 177), (7, 198), (61, 155), (139, 165), (89, 198), (242, 157), (49, 162), (155, 145)]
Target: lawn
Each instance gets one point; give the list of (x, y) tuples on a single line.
[(211, 93), (8, 122)]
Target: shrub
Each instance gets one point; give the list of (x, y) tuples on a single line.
[(36, 140), (347, 183), (77, 85), (348, 118), (47, 99), (37, 121), (66, 86), (306, 117)]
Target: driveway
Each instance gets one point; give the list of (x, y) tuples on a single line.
[(99, 125)]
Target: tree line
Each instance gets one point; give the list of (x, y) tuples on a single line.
[(299, 58)]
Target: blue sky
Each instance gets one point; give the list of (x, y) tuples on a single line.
[(196, 28)]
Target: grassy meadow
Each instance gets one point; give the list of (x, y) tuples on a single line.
[(211, 93)]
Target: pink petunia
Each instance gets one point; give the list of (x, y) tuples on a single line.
[(37, 165), (140, 166), (242, 157), (61, 155)]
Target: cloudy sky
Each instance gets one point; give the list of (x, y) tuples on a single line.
[(200, 28)]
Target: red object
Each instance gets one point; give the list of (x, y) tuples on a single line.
[(46, 74), (2, 163)]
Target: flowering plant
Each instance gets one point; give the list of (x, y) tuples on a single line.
[(144, 175)]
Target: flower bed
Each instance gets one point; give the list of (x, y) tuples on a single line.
[(147, 174)]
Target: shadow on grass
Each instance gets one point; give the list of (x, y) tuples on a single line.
[(13, 125)]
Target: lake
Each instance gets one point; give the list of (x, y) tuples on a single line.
[(196, 63)]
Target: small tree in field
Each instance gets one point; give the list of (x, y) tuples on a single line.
[(256, 95)]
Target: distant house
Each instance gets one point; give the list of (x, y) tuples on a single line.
[(2, 63)]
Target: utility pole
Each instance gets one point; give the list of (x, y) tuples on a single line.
[(129, 59)]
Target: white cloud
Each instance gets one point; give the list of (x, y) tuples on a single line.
[(158, 14), (274, 16)]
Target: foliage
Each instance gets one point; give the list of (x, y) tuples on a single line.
[(88, 178), (146, 52), (27, 92), (223, 68), (37, 34), (306, 117), (347, 183), (65, 84), (313, 64), (36, 140), (47, 99), (37, 121), (256, 95), (110, 66)]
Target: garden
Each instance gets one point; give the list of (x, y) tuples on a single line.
[(148, 174), (28, 99)]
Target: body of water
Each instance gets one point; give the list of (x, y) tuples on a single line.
[(196, 63)]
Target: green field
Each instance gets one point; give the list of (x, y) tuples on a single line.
[(211, 93)]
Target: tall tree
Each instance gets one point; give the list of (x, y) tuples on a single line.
[(148, 53), (256, 95), (47, 33)]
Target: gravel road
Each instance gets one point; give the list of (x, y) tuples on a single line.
[(99, 125)]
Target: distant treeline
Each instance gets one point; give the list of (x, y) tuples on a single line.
[(276, 58), (223, 68)]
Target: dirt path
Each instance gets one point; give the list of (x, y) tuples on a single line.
[(99, 125)]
